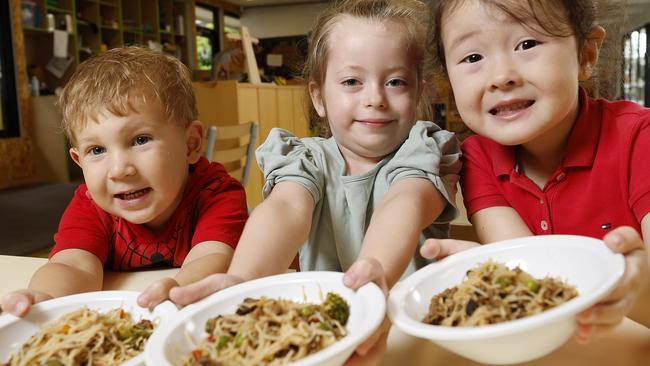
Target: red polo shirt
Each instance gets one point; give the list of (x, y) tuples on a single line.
[(602, 183)]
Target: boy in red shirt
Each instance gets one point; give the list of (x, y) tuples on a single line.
[(150, 198)]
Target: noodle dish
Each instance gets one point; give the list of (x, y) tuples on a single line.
[(299, 319), (93, 328), (506, 302)]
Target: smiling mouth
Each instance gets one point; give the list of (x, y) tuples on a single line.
[(512, 107), (133, 194)]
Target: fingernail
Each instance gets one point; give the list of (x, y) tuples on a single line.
[(349, 279), (615, 239), (20, 307), (143, 299), (586, 316)]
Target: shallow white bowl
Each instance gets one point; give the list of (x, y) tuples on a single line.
[(174, 342), (583, 262), (15, 331)]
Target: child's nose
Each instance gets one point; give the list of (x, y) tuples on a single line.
[(121, 166), (504, 75), (375, 96)]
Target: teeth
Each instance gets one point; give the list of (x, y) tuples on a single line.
[(511, 107), (134, 195)]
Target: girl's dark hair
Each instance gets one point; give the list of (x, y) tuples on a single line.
[(411, 14), (558, 18)]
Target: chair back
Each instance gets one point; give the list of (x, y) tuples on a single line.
[(234, 147)]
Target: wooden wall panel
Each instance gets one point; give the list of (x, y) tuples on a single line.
[(16, 154)]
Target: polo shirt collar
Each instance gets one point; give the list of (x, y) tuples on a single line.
[(581, 146)]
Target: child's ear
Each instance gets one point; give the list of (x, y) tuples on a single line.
[(317, 99), (589, 52), (74, 154), (194, 141)]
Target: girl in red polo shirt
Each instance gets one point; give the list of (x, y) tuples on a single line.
[(547, 159)]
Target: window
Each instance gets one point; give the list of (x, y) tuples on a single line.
[(8, 95), (635, 66), (207, 35)]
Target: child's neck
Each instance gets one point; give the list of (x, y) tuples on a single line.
[(356, 165), (539, 159)]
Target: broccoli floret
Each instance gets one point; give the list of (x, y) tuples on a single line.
[(336, 307)]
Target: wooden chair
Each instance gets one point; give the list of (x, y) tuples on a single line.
[(234, 147)]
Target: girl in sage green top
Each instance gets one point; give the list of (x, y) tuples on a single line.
[(361, 200)]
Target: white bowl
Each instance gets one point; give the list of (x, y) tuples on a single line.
[(15, 331), (583, 262), (171, 344)]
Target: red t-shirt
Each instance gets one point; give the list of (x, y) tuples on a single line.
[(603, 181), (213, 208)]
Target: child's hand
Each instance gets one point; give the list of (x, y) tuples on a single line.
[(19, 302), (608, 313), (185, 295), (363, 271), (360, 273), (372, 350), (440, 248), (157, 292)]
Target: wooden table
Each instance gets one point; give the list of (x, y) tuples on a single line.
[(627, 345)]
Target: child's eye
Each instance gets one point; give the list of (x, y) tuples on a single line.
[(141, 140), (396, 82), (96, 150), (350, 82), (475, 57), (527, 44)]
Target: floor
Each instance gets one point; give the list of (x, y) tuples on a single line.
[(29, 217)]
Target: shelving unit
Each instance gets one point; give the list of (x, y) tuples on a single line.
[(99, 25)]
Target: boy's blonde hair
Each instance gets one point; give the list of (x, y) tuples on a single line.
[(123, 79), (411, 14)]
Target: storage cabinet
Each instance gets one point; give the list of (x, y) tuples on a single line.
[(231, 102), (95, 26)]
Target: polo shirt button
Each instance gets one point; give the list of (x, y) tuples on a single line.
[(560, 176), (544, 225)]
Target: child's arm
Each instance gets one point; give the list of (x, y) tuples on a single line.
[(68, 272), (408, 207), (272, 236), (203, 260), (491, 224)]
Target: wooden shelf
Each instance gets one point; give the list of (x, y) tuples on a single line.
[(99, 25)]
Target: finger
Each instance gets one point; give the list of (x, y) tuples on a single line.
[(430, 248), (185, 295), (363, 271), (156, 293), (587, 333), (441, 248), (605, 314), (19, 302), (623, 239)]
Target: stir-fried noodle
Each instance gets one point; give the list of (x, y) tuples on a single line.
[(86, 337), (493, 293), (271, 332)]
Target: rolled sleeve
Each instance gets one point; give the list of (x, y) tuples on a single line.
[(433, 154), (284, 157)]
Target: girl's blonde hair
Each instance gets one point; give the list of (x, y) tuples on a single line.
[(123, 79), (411, 14)]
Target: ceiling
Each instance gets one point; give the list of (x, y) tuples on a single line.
[(249, 3), (638, 11)]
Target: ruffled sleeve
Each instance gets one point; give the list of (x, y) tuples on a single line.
[(432, 153), (284, 157)]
